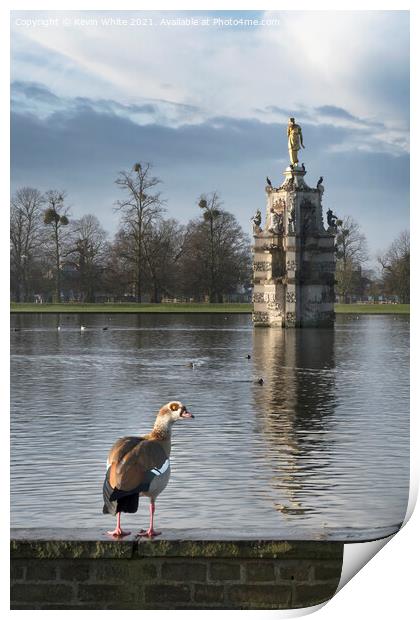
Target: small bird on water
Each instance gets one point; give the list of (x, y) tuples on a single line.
[(140, 466)]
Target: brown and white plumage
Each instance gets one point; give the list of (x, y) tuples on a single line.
[(140, 466)]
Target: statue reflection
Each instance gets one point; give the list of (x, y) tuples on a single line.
[(294, 414)]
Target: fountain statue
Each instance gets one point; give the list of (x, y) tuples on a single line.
[(293, 253)]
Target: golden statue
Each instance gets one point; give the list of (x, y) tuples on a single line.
[(295, 140)]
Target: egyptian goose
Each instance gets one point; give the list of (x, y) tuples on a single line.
[(140, 466)]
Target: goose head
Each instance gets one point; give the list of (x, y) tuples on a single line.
[(174, 411)]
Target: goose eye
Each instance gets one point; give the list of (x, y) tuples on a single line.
[(173, 406)]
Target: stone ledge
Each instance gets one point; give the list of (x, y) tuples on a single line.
[(97, 535), (184, 569)]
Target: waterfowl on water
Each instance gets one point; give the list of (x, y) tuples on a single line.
[(104, 329), (140, 466), (260, 381), (82, 328), (248, 357)]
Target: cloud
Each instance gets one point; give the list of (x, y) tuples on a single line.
[(82, 149), (35, 98), (357, 134), (208, 106), (34, 91), (335, 112), (357, 61)]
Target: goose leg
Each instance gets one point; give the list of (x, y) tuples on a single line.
[(151, 532), (118, 532)]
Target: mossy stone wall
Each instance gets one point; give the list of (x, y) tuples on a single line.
[(172, 574)]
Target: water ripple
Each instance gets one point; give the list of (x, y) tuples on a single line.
[(322, 443)]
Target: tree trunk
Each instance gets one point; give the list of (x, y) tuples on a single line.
[(139, 282), (212, 291), (57, 267)]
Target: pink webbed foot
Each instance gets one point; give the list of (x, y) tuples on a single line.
[(150, 533), (119, 533)]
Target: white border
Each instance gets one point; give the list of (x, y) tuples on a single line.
[(385, 587)]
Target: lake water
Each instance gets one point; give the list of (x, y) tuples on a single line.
[(321, 447)]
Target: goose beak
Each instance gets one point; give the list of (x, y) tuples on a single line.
[(186, 414)]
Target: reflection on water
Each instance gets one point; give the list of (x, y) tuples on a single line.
[(296, 404), (323, 443)]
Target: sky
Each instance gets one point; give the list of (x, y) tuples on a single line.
[(205, 98)]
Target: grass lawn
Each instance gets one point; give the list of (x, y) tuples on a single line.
[(372, 308), (131, 307), (203, 307)]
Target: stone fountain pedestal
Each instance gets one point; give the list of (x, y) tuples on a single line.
[(294, 257)]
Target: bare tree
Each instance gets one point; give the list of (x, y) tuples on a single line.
[(56, 218), (163, 244), (118, 276), (25, 237), (216, 258), (395, 263), (87, 253), (211, 205), (140, 208), (352, 253)]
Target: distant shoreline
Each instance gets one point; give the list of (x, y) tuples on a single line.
[(193, 308)]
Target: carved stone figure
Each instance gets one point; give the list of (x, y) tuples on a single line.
[(331, 219), (295, 141), (276, 222), (256, 220), (308, 215), (292, 220), (319, 185)]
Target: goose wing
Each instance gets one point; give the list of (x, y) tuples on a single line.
[(132, 461)]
